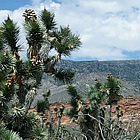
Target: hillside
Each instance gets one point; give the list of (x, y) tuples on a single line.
[(87, 71), (127, 105)]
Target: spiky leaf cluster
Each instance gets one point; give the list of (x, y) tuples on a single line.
[(6, 64), (34, 36), (42, 105), (95, 94), (65, 75), (112, 88), (65, 41), (6, 134), (109, 91), (48, 20), (11, 34), (75, 97), (24, 125), (112, 84)]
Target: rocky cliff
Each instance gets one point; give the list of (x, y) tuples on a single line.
[(87, 71)]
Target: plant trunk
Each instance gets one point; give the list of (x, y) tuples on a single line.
[(59, 123), (110, 115), (50, 120)]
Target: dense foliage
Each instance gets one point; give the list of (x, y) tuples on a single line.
[(19, 79)]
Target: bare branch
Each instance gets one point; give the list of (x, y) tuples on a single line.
[(101, 131), (84, 136), (130, 120), (138, 136)]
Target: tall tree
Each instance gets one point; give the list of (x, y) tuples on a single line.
[(19, 80)]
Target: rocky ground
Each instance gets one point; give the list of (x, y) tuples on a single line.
[(129, 105)]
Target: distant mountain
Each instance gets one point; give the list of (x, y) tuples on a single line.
[(87, 71)]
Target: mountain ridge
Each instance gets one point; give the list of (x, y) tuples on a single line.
[(87, 71)]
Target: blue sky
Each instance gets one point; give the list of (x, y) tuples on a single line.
[(13, 4), (109, 29)]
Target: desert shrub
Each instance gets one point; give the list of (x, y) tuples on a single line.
[(6, 134), (95, 117)]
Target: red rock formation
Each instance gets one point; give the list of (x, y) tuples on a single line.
[(127, 105)]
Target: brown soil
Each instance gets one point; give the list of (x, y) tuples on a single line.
[(128, 105)]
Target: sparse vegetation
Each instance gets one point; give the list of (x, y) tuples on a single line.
[(20, 80), (95, 117)]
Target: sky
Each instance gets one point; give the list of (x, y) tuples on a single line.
[(109, 29)]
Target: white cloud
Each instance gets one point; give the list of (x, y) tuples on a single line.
[(36, 2), (4, 14), (106, 27)]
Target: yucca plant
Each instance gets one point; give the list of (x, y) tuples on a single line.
[(91, 116), (11, 34), (34, 37), (48, 20), (39, 133), (65, 41), (41, 106), (75, 97), (6, 134), (19, 79)]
